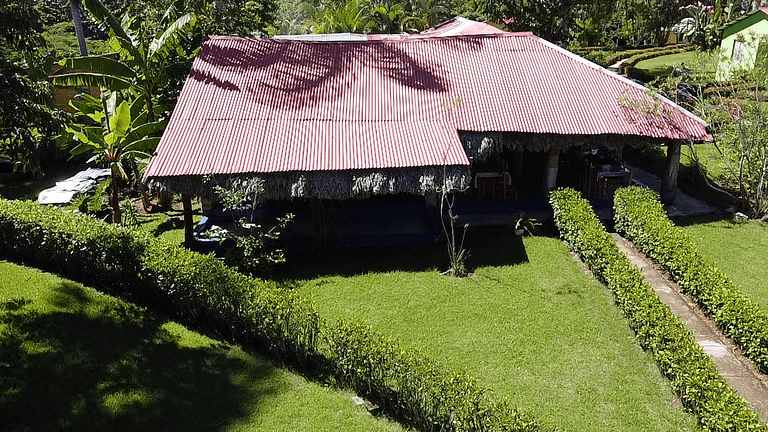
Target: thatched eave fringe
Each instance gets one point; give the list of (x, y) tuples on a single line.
[(334, 185), (483, 145)]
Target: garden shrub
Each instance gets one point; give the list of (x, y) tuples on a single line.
[(71, 244), (621, 55), (416, 389), (637, 58), (205, 292), (131, 264), (641, 218), (680, 358)]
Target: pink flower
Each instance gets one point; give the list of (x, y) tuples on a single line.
[(510, 20)]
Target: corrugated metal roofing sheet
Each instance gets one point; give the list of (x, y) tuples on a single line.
[(460, 26), (261, 105)]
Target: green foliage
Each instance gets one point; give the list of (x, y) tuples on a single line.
[(132, 264), (64, 344), (640, 215), (704, 24), (61, 39), (374, 16), (410, 386), (457, 254), (692, 373), (621, 55), (26, 118), (647, 54), (147, 58), (596, 56), (116, 131), (238, 17), (257, 249), (202, 290)]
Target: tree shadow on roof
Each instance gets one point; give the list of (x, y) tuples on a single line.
[(285, 74)]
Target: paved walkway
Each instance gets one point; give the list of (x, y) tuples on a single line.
[(738, 370), (684, 204)]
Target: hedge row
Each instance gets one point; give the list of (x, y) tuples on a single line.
[(414, 388), (641, 217), (653, 52), (201, 290), (635, 59), (133, 265), (681, 359)]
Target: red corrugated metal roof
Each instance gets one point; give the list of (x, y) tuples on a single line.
[(461, 26), (261, 105)]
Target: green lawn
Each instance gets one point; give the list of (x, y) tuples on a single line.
[(740, 250), (531, 326), (74, 359), (663, 65)]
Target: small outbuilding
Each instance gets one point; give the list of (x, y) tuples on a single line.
[(742, 39)]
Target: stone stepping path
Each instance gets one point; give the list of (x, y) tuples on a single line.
[(739, 371)]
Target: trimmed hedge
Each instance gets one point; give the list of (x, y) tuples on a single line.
[(414, 388), (621, 55), (131, 264), (202, 290), (680, 358), (628, 65), (642, 219)]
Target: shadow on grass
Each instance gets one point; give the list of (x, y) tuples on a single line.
[(170, 224), (707, 219), (95, 366), (18, 186), (488, 247)]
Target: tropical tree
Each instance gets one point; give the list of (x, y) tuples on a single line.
[(423, 14), (352, 16), (115, 131), (26, 118), (145, 58), (389, 18), (240, 17)]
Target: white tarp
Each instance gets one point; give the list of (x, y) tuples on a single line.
[(82, 182)]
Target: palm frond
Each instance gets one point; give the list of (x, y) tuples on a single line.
[(99, 64), (144, 131), (79, 79), (104, 16), (141, 148), (160, 45)]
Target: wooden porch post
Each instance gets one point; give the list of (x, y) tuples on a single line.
[(517, 167), (550, 179), (671, 168), (189, 237)]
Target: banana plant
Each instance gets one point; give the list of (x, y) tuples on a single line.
[(118, 132), (143, 58)]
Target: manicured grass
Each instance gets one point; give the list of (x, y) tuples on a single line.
[(663, 65), (531, 326), (739, 249), (74, 359), (168, 225)]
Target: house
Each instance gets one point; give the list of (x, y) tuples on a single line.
[(400, 115), (741, 40)]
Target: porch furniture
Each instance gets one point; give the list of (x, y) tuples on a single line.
[(611, 176), (495, 184)]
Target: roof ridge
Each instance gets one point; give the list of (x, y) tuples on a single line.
[(394, 39)]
